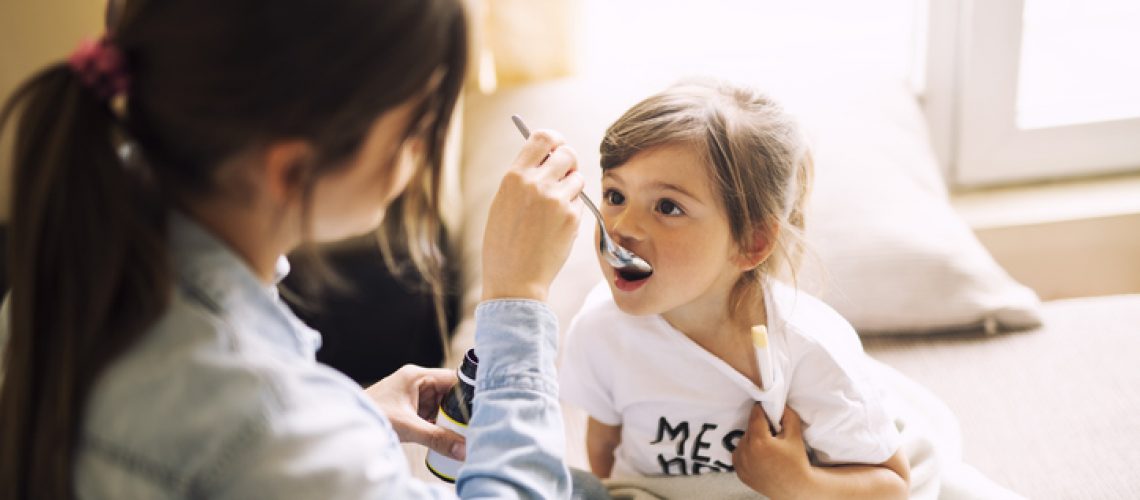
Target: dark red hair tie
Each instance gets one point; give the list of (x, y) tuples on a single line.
[(101, 68)]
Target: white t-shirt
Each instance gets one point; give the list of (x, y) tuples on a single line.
[(683, 410)]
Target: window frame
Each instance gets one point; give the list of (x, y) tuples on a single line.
[(970, 98)]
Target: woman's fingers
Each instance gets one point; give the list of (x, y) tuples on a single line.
[(439, 378), (540, 144), (561, 170), (403, 395), (435, 437), (561, 162), (432, 387), (532, 222), (568, 188)]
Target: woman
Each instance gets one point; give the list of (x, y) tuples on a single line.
[(148, 354)]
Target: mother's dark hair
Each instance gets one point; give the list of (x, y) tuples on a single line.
[(210, 79)]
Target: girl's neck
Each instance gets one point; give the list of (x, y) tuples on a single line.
[(710, 320), (726, 336)]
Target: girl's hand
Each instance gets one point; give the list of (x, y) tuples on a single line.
[(776, 466), (533, 220), (410, 399)]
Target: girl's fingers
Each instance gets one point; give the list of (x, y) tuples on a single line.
[(758, 424), (793, 425)]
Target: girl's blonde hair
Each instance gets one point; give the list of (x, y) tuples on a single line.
[(758, 160)]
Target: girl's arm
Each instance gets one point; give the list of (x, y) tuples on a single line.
[(778, 466), (890, 479), (601, 441)]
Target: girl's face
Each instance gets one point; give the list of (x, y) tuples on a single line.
[(662, 206), (353, 199)]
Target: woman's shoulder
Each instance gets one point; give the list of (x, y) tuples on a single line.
[(172, 405), (189, 358)]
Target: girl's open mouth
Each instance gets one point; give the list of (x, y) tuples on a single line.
[(628, 281)]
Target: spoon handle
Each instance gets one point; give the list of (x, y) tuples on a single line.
[(590, 204), (525, 131)]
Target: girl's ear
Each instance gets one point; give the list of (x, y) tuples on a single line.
[(287, 164), (763, 244)]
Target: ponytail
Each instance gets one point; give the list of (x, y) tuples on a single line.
[(89, 274)]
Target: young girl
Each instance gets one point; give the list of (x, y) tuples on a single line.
[(707, 182), (159, 176)]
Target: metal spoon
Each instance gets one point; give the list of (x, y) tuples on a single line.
[(627, 263)]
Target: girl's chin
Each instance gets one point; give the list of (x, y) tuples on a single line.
[(634, 308), (634, 304)]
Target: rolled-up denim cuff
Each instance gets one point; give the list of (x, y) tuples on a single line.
[(517, 343)]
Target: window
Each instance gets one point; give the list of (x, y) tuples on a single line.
[(1014, 90), (1024, 90), (731, 38)]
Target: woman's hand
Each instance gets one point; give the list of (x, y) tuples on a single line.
[(410, 399), (776, 466), (533, 220)]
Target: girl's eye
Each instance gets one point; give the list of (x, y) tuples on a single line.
[(613, 197), (667, 207)]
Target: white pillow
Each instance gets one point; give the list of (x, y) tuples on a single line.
[(893, 256), (889, 253)]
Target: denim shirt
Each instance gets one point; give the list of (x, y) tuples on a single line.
[(223, 398)]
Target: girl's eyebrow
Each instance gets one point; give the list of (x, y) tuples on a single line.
[(658, 185), (667, 186)]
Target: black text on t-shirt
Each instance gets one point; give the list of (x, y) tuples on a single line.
[(694, 461)]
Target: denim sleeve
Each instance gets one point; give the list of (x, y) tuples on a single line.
[(318, 438), (515, 439)]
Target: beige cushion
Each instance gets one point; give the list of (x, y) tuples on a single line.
[(889, 252)]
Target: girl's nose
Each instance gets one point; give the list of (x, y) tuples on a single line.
[(625, 226)]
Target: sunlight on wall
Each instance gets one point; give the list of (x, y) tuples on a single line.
[(33, 34), (724, 37)]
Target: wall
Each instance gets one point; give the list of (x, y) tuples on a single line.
[(34, 33), (1071, 258), (1064, 239)]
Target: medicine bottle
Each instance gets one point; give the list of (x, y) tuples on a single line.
[(454, 413)]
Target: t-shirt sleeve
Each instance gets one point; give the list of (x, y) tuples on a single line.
[(585, 377), (845, 420)]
